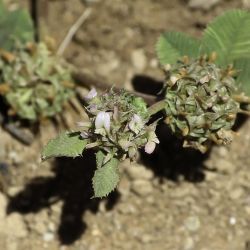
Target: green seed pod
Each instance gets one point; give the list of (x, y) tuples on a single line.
[(199, 103)]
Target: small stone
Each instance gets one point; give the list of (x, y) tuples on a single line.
[(106, 68), (15, 225), (96, 232), (139, 59), (2, 152), (127, 208), (225, 166), (246, 4), (124, 187), (247, 209), (139, 172), (47, 237), (188, 244), (142, 187), (154, 63), (232, 221), (12, 191), (146, 238), (51, 227), (192, 223), (3, 205), (211, 176), (15, 157), (202, 4), (236, 193), (40, 227)]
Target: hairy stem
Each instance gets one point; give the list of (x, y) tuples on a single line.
[(241, 99), (244, 112), (156, 107), (87, 81)]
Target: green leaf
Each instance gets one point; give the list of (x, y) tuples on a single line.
[(106, 178), (171, 46), (228, 36), (99, 158), (14, 26), (66, 144), (243, 78)]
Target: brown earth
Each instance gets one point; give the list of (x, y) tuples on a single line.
[(175, 199)]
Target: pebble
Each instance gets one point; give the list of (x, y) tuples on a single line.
[(139, 59), (3, 204), (15, 226), (202, 4), (139, 172), (236, 193), (124, 186), (2, 153), (127, 208), (225, 166), (232, 221), (48, 236), (142, 187), (211, 176), (192, 223), (247, 209), (246, 4), (39, 226), (146, 238), (15, 157), (13, 191), (188, 244)]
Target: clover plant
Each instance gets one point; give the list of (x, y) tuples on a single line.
[(206, 83)]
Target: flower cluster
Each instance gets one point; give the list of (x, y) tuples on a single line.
[(118, 124), (199, 102)]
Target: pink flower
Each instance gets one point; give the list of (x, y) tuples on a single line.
[(92, 94)]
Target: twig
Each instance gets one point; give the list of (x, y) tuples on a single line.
[(73, 30), (241, 98), (85, 80), (17, 133)]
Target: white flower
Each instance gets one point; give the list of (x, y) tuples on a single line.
[(150, 147), (136, 124), (85, 135), (102, 120), (92, 94)]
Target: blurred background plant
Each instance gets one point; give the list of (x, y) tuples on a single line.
[(35, 83)]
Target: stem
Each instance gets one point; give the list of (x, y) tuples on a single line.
[(73, 30), (241, 98), (156, 107), (244, 112), (87, 81)]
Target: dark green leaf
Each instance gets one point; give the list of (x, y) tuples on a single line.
[(66, 144), (99, 159), (171, 46), (228, 36), (14, 26), (243, 78), (106, 178)]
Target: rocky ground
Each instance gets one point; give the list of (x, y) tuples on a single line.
[(175, 200)]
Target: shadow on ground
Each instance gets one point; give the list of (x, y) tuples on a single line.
[(71, 184), (170, 160)]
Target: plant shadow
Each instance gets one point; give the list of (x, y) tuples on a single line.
[(70, 184), (173, 162)]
